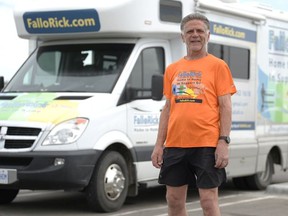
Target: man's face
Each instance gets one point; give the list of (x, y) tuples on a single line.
[(195, 35)]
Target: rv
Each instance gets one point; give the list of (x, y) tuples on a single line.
[(82, 112)]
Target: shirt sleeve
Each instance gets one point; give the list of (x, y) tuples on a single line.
[(167, 90), (224, 81)]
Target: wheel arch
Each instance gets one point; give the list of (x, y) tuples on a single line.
[(129, 157), (275, 153), (120, 142)]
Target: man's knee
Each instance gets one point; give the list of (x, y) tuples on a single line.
[(176, 197), (174, 201), (208, 203), (208, 198)]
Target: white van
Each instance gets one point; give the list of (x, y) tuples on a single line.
[(82, 112)]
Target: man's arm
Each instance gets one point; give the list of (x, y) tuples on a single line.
[(157, 153), (225, 109)]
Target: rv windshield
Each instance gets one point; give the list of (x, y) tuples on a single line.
[(72, 68)]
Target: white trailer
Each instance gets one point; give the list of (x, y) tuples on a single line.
[(82, 112)]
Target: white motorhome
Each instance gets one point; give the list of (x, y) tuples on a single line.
[(82, 112)]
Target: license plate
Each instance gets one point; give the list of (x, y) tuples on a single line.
[(4, 176)]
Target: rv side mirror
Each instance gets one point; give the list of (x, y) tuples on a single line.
[(157, 87), (1, 82)]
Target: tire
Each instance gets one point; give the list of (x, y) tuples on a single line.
[(260, 181), (108, 186), (8, 195)]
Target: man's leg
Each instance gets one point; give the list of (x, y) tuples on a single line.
[(176, 199), (209, 201)]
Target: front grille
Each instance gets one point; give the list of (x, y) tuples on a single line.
[(18, 137), (16, 144), (15, 161), (23, 131)]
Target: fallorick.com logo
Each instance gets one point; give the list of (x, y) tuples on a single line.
[(62, 21), (235, 32)]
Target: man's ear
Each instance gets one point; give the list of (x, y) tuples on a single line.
[(208, 35), (183, 39)]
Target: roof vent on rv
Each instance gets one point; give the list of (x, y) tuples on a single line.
[(264, 6), (230, 1)]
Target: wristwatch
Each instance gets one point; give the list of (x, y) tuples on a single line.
[(226, 138)]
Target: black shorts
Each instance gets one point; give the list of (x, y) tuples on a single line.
[(191, 166)]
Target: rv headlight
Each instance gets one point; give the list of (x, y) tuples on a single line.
[(66, 132)]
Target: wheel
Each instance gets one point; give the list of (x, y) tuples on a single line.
[(260, 181), (108, 186), (8, 195)]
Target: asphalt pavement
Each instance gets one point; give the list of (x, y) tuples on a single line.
[(279, 184), (280, 189)]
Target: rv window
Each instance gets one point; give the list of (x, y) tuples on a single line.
[(170, 11), (150, 62), (72, 68), (237, 58)]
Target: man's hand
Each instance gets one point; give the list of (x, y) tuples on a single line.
[(157, 156), (221, 154)]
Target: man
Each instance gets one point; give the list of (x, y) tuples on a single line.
[(193, 136)]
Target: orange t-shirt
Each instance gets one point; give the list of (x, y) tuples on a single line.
[(193, 87)]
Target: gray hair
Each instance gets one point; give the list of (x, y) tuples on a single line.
[(194, 16)]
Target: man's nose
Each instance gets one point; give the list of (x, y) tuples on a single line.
[(195, 33)]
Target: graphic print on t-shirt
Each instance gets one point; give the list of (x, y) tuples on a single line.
[(187, 87)]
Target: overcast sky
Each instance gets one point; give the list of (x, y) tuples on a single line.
[(13, 50)]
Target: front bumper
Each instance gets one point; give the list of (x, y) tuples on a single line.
[(37, 170)]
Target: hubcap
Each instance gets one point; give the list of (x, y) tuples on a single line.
[(114, 182)]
